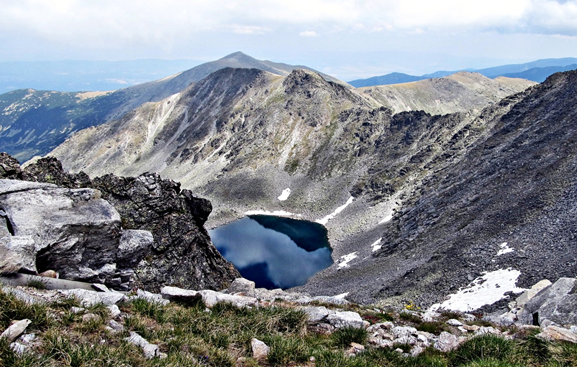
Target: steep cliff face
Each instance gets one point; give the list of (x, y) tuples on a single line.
[(180, 253)]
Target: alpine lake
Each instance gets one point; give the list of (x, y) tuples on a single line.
[(274, 252)]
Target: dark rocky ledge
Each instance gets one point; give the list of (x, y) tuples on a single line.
[(181, 254)]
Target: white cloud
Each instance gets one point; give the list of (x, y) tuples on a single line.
[(308, 34), (356, 34), (154, 20), (250, 30)]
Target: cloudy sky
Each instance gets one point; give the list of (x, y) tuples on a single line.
[(346, 38)]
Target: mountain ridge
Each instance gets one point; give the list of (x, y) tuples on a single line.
[(330, 145), (63, 113), (536, 71)]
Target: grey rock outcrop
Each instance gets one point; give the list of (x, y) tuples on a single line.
[(242, 285), (556, 302), (260, 350), (211, 298), (446, 342), (150, 350), (527, 295), (71, 231), (89, 298), (316, 314), (180, 295), (557, 333), (345, 319), (9, 167), (15, 330), (16, 253), (158, 219)]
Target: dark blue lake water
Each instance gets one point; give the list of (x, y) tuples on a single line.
[(274, 252)]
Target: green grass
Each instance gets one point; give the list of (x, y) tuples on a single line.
[(343, 337), (36, 284), (435, 327), (376, 317), (484, 350), (410, 317), (191, 336)]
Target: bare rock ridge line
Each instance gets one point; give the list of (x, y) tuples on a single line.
[(63, 113), (459, 92), (122, 232)]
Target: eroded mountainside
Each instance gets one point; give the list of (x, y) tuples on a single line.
[(507, 204), (241, 137), (35, 122)]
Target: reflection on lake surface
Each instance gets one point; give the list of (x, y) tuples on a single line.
[(274, 252)]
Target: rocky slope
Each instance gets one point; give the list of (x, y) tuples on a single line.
[(506, 205), (123, 232), (240, 137), (462, 91), (35, 122)]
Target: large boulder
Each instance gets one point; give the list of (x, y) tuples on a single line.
[(72, 231), (557, 303), (182, 253)]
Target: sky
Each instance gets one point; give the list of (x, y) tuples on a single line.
[(348, 39)]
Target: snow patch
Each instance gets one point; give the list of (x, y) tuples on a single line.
[(486, 289), (326, 219), (504, 249), (387, 218), (346, 259), (284, 195), (377, 245), (341, 296), (273, 213)]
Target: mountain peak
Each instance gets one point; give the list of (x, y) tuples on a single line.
[(237, 55)]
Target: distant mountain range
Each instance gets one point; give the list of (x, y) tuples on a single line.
[(99, 75), (34, 122), (85, 75), (536, 71)]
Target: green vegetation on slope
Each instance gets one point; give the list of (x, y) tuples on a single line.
[(191, 335)]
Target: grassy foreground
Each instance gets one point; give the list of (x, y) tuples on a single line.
[(194, 336)]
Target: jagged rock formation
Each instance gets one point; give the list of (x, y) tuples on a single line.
[(177, 252), (176, 219)]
